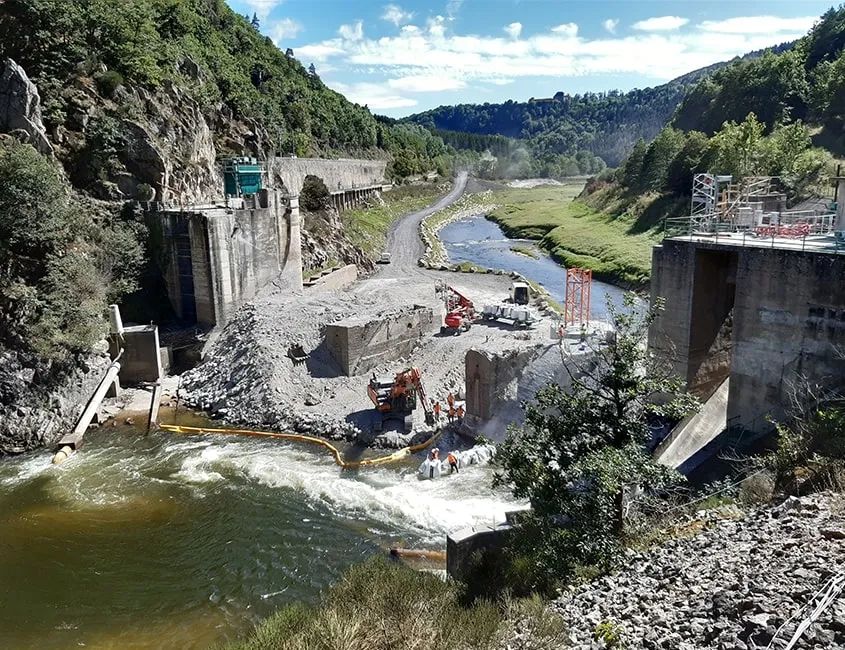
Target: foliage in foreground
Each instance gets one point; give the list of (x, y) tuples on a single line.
[(810, 452), (62, 260), (381, 605), (583, 451)]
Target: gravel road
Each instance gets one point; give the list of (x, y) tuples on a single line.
[(403, 240)]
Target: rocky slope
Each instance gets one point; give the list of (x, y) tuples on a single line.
[(30, 416), (745, 582)]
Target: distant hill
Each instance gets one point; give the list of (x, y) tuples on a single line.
[(605, 124)]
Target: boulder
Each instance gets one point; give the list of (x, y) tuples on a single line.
[(20, 106)]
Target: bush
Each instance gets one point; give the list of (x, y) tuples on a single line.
[(314, 195), (107, 82), (381, 605), (61, 260)]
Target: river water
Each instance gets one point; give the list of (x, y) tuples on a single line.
[(482, 242), (168, 541)]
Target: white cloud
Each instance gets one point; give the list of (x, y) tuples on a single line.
[(610, 24), (759, 25), (436, 26), (320, 51), (569, 30), (513, 30), (281, 30), (376, 96), (353, 32), (262, 8), (426, 83), (660, 24), (394, 14), (500, 82), (431, 58)]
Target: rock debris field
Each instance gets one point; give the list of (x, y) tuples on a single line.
[(247, 378), (745, 583)]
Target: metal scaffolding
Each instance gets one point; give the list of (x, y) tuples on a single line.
[(578, 285)]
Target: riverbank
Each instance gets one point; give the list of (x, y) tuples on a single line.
[(469, 205), (574, 234)]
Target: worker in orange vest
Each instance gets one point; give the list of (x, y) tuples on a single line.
[(451, 399), (453, 463), (437, 411), (460, 413)]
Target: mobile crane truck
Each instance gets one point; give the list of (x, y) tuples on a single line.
[(396, 398)]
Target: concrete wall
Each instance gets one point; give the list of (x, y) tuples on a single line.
[(462, 546), (338, 174), (360, 344), (335, 280), (233, 253), (788, 320), (490, 379)]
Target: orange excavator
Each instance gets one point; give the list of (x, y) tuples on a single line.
[(460, 312), (396, 398)]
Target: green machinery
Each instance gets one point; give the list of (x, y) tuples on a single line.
[(242, 176)]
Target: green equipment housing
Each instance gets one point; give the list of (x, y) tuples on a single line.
[(242, 176)]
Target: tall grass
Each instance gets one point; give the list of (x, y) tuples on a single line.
[(381, 605), (576, 234)]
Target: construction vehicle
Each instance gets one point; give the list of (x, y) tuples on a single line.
[(507, 313), (396, 398), (460, 311), (519, 293)]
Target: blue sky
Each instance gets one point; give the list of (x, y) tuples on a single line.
[(407, 56)]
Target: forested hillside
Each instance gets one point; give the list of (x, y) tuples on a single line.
[(778, 115), (564, 134), (96, 61)]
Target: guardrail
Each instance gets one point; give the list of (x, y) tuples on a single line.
[(796, 230)]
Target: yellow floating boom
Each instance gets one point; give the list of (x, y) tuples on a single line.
[(397, 455)]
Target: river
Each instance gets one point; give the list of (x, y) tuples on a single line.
[(168, 541), (483, 243)]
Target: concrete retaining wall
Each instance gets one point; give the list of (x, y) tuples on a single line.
[(359, 344), (340, 174), (339, 279), (462, 546)]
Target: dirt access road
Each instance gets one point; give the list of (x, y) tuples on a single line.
[(403, 238)]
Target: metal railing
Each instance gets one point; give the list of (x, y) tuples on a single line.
[(794, 231)]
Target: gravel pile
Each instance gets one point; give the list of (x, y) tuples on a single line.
[(730, 587)]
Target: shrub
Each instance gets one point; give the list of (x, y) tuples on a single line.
[(108, 82), (381, 605), (314, 195)]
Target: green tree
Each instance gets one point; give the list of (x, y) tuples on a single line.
[(60, 261), (632, 168), (693, 158), (736, 147), (658, 156), (580, 449)]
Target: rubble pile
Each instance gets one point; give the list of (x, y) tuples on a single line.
[(742, 584)]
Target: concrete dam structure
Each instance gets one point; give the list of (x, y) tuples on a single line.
[(766, 314), (216, 256)]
